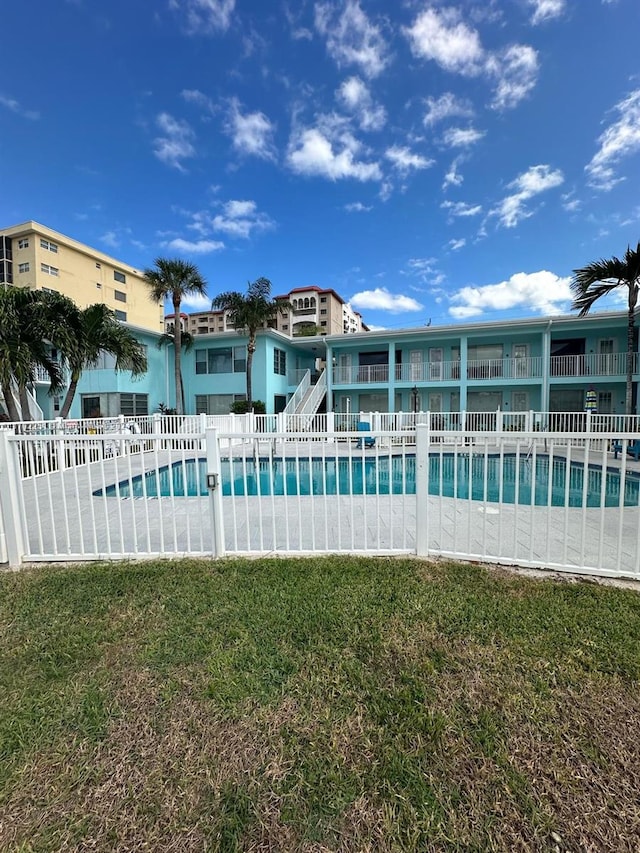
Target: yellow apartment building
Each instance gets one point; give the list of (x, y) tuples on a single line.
[(34, 256)]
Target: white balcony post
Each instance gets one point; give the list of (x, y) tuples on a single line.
[(499, 421), (13, 522), (422, 490), (214, 486)]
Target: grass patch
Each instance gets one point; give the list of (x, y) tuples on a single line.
[(318, 704)]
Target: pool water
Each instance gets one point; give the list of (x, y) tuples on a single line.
[(449, 476)]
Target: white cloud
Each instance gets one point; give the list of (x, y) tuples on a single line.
[(357, 207), (460, 208), (110, 238), (174, 145), (511, 210), (195, 96), (356, 97), (542, 292), (516, 69), (240, 219), (18, 109), (424, 269), (252, 133), (458, 137), (404, 160), (570, 203), (454, 245), (381, 299), (196, 302), (199, 247), (619, 140), (453, 176), (312, 152), (442, 36), (545, 10), (204, 16), (351, 37), (444, 107)]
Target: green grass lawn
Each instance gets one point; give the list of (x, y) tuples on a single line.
[(331, 704)]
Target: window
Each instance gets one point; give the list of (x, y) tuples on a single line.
[(50, 247), (222, 360), (104, 361), (109, 405), (323, 322), (120, 296), (23, 243), (216, 404), (98, 266), (120, 276), (121, 315), (323, 310), (98, 285), (23, 267), (49, 270), (280, 362), (285, 327), (49, 290), (323, 299)]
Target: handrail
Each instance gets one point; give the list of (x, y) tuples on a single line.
[(298, 394)]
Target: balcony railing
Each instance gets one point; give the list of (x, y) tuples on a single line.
[(442, 371), (529, 367), (362, 374), (593, 364)]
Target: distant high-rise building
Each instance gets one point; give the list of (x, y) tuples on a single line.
[(313, 310), (34, 256)]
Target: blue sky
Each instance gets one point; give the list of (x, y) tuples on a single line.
[(429, 161)]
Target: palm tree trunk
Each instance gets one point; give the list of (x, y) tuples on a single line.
[(630, 344), (177, 356), (251, 348), (24, 403), (10, 403), (68, 397)]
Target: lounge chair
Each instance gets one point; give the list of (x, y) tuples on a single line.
[(365, 440), (633, 448)]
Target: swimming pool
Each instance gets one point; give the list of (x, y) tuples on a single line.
[(510, 479)]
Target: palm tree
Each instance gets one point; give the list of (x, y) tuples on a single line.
[(169, 339), (599, 279), (31, 323), (249, 314), (95, 330), (175, 279)]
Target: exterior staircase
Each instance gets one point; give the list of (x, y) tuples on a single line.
[(300, 410)]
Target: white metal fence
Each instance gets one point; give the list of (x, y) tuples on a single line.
[(567, 501)]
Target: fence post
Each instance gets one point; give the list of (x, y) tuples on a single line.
[(422, 490), (214, 485), (499, 421), (331, 426), (59, 444), (12, 521)]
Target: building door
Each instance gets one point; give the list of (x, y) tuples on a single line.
[(520, 355), (519, 401), (435, 363), (279, 403), (344, 368), (605, 356), (415, 368), (435, 402)]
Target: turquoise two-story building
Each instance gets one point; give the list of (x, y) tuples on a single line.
[(540, 364)]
